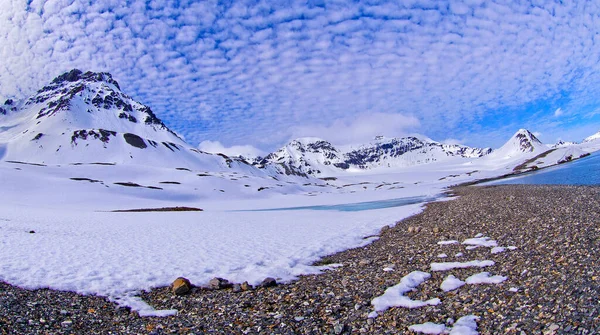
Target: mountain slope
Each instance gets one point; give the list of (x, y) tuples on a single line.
[(594, 137), (85, 118)]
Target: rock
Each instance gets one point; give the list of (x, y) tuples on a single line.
[(181, 286), (245, 286), (364, 262), (338, 328), (268, 282), (32, 232), (436, 230), (237, 288), (219, 283)]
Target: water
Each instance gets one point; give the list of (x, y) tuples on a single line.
[(584, 171), (361, 206)]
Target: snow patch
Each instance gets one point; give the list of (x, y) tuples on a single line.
[(451, 283), (447, 242), (497, 250), (394, 296), (484, 278), (460, 265), (428, 328), (467, 325), (481, 241)]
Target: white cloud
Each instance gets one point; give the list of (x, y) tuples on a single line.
[(253, 72), (360, 128), (216, 147), (558, 112)]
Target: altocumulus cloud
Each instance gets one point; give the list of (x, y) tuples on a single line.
[(262, 72)]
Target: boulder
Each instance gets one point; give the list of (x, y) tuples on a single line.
[(245, 286), (181, 286), (219, 283), (268, 282)]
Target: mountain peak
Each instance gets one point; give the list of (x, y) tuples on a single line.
[(526, 140), (76, 75)]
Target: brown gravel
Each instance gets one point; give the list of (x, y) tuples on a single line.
[(555, 267)]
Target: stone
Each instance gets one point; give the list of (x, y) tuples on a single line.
[(245, 286), (181, 286), (364, 262), (219, 283), (268, 282), (237, 288), (436, 230)]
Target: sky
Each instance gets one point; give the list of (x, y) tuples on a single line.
[(248, 76)]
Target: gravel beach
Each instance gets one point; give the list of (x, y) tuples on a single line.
[(552, 285)]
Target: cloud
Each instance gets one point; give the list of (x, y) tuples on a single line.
[(216, 147), (258, 72), (558, 112), (359, 129)]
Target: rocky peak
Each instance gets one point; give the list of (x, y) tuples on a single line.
[(76, 75), (527, 141)]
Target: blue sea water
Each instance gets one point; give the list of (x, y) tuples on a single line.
[(584, 171)]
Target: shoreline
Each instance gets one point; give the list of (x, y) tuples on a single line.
[(555, 230)]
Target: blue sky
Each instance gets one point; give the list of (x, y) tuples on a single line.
[(256, 74)]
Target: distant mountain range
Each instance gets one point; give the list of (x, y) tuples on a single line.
[(85, 118), (316, 156)]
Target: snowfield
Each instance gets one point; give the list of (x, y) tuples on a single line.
[(78, 245)]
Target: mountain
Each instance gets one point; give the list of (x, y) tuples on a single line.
[(594, 137), (522, 143), (314, 156), (561, 144), (85, 118)]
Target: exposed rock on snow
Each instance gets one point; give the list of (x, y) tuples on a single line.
[(181, 286)]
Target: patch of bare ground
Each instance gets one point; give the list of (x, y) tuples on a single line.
[(162, 209)]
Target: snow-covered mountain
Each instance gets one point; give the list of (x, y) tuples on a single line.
[(522, 143), (85, 118), (594, 137), (314, 156)]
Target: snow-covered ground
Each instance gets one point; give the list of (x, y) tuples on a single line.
[(57, 231)]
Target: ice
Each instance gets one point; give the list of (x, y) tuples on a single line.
[(428, 328), (460, 265), (485, 278), (394, 296), (451, 283)]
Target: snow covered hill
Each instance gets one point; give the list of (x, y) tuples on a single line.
[(85, 118), (594, 137), (314, 156), (522, 143)]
